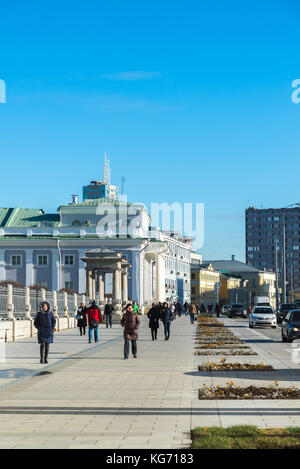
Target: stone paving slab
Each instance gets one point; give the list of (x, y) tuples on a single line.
[(92, 398)]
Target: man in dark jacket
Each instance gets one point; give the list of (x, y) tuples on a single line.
[(45, 324), (218, 309), (108, 310)]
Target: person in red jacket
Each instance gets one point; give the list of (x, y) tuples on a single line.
[(94, 319)]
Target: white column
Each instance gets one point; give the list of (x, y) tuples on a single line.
[(43, 294), (29, 267), (117, 290), (89, 283), (125, 286), (55, 271), (101, 289), (135, 272), (94, 286), (160, 278), (2, 265), (82, 287)]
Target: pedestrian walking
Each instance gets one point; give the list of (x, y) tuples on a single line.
[(186, 308), (192, 312), (179, 308), (108, 310), (94, 319), (131, 322), (154, 315), (173, 309), (136, 308), (81, 319), (166, 317), (218, 309), (45, 324), (210, 309)]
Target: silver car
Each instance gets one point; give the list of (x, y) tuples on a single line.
[(262, 316)]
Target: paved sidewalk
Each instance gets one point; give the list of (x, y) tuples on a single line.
[(259, 412), (89, 397)]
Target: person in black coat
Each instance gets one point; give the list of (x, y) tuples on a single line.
[(81, 318), (45, 324), (154, 315), (166, 317), (108, 310)]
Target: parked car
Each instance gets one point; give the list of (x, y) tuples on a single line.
[(262, 316), (283, 310), (226, 309), (290, 329), (237, 309)]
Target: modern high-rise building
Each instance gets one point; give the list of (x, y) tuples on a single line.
[(101, 189), (266, 230)]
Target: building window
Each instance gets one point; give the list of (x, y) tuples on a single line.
[(16, 261), (69, 285), (43, 260), (76, 223), (69, 259)]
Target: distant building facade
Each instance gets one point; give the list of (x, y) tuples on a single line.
[(244, 282), (47, 249), (264, 232)]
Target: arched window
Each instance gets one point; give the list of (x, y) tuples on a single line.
[(76, 223)]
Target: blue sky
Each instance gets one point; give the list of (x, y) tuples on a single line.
[(191, 100)]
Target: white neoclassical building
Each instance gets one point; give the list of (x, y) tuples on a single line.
[(47, 249)]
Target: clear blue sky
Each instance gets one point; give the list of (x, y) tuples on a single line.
[(191, 100)]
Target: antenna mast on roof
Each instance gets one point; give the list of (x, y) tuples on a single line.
[(122, 185), (106, 170)]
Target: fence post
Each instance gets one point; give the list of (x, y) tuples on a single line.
[(43, 294), (10, 310), (27, 303), (10, 304), (55, 309), (75, 308), (66, 308)]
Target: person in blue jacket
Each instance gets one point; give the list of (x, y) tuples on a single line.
[(45, 324), (167, 317)]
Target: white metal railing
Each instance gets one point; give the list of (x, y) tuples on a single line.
[(21, 303)]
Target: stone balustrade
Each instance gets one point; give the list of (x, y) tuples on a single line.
[(18, 307)]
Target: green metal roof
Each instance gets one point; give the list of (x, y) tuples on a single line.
[(17, 217), (96, 202)]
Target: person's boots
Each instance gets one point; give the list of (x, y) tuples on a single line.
[(46, 353), (42, 353)]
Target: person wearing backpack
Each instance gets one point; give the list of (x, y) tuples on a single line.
[(94, 319)]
